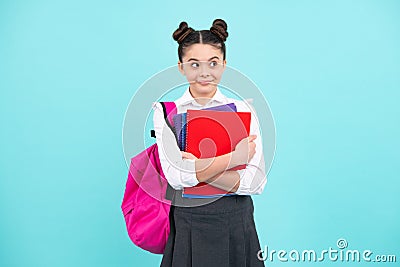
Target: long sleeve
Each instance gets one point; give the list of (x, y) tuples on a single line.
[(178, 172), (253, 178)]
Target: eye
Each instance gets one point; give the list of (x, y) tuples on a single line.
[(213, 63), (194, 65)]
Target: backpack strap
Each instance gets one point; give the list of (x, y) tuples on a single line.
[(169, 110)]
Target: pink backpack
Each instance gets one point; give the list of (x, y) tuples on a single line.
[(145, 207)]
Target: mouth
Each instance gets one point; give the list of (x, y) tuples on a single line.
[(204, 83)]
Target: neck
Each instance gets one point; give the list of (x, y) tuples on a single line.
[(202, 99)]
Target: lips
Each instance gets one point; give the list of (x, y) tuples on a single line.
[(204, 82)]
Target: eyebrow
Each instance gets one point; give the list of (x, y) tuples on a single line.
[(195, 59)]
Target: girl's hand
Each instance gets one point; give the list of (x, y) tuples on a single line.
[(187, 155), (244, 150)]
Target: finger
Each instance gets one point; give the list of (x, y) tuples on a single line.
[(188, 155), (252, 137)]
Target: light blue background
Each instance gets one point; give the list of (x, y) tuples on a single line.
[(330, 71)]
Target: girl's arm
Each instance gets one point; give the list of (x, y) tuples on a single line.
[(210, 167), (228, 180)]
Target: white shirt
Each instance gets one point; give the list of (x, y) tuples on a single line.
[(181, 172)]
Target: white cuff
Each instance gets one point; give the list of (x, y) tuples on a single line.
[(189, 178), (243, 188)]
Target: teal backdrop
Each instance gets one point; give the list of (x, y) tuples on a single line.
[(330, 71)]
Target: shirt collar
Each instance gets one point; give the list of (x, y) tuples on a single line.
[(187, 98)]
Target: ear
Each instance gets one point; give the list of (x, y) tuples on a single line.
[(180, 68), (224, 64)]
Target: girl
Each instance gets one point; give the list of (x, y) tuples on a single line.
[(209, 232)]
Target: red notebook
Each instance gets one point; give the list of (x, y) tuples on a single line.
[(213, 133)]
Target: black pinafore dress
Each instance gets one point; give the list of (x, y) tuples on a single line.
[(216, 233)]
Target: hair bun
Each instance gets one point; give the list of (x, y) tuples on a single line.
[(182, 32), (219, 28)]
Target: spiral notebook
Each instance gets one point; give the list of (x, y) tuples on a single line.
[(212, 133), (180, 122)]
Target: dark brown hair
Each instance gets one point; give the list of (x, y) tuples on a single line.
[(215, 36)]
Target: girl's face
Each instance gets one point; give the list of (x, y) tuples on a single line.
[(203, 66)]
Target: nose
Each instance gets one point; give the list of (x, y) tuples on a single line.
[(204, 71)]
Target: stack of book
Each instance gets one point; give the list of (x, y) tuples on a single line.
[(208, 133)]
